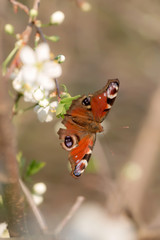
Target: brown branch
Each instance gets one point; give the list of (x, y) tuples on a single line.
[(12, 194), (72, 211), (27, 32), (36, 4), (20, 5), (11, 189)]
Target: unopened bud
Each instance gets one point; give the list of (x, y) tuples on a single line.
[(86, 6), (60, 58), (9, 29), (57, 17), (33, 13), (39, 188)]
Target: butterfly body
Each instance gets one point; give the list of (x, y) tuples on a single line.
[(83, 121)]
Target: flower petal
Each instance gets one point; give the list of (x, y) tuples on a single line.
[(28, 96), (38, 94), (42, 113), (27, 55), (52, 69), (42, 52), (18, 83), (49, 117), (44, 103), (54, 104), (29, 74), (45, 82)]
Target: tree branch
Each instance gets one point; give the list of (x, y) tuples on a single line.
[(12, 194), (20, 5)]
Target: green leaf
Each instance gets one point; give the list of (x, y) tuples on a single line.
[(64, 105), (59, 109), (34, 167), (65, 88), (69, 99)]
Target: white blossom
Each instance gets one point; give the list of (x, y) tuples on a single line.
[(37, 72), (45, 112)]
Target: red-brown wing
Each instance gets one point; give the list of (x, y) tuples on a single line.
[(102, 101), (80, 155), (79, 144)]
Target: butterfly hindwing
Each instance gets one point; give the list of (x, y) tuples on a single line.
[(79, 145)]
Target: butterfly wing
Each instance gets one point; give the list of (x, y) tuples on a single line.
[(102, 100), (81, 108), (95, 107), (82, 122), (79, 144)]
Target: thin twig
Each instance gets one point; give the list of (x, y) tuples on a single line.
[(40, 33), (57, 89), (20, 5), (36, 4), (72, 211), (27, 32), (34, 208)]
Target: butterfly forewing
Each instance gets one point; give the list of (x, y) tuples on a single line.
[(102, 101)]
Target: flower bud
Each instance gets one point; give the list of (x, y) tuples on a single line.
[(57, 17), (39, 188), (86, 6), (33, 13), (60, 58), (37, 199), (9, 29)]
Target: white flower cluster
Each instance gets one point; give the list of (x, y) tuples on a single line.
[(35, 79)]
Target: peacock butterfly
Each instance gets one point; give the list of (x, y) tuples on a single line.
[(83, 121)]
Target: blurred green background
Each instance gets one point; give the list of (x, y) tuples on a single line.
[(116, 39)]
